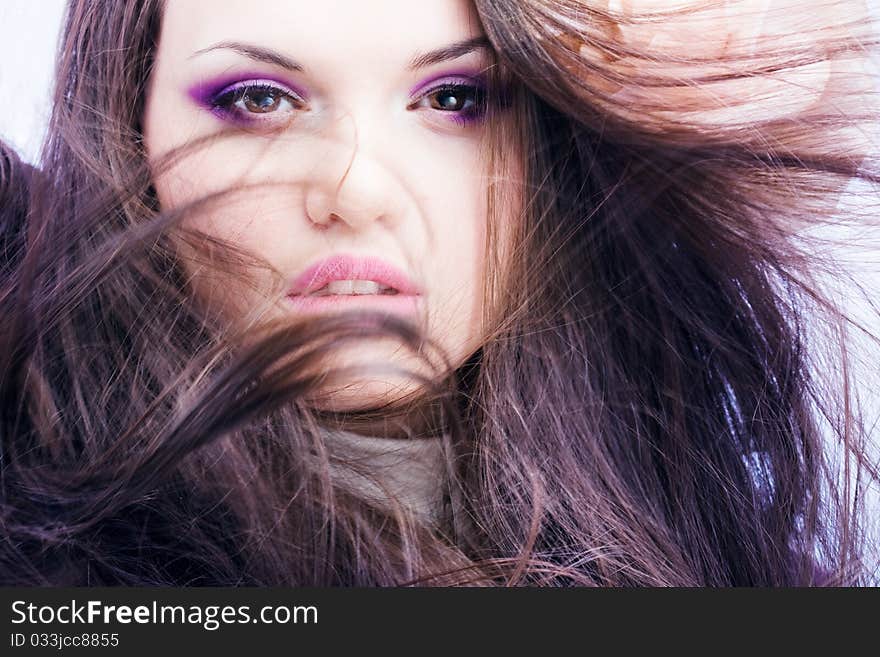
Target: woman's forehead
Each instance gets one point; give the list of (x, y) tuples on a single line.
[(378, 32)]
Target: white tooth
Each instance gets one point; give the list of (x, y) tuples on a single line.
[(339, 287), (365, 287), (351, 287)]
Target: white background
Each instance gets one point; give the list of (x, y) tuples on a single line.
[(28, 34)]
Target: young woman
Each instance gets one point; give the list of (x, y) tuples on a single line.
[(497, 292)]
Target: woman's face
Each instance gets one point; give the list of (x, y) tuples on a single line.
[(367, 117)]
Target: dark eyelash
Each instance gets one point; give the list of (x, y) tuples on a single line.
[(223, 103), (462, 117)]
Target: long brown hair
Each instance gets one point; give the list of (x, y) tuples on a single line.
[(646, 408)]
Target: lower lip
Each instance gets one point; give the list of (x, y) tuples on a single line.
[(402, 304)]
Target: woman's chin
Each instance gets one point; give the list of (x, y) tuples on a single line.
[(370, 376), (379, 408)]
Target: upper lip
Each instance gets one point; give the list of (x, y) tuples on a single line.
[(348, 267)]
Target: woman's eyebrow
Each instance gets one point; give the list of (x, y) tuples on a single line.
[(452, 51), (420, 60), (257, 53)]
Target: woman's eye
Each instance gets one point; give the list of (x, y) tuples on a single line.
[(249, 102), (260, 102), (464, 102)]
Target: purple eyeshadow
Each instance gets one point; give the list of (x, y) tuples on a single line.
[(474, 77), (450, 80), (206, 92)]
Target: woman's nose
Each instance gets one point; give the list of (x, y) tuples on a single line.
[(353, 185)]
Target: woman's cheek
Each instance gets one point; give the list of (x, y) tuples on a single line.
[(458, 264)]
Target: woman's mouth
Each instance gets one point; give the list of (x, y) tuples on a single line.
[(345, 282)]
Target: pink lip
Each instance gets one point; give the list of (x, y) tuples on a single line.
[(347, 267)]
